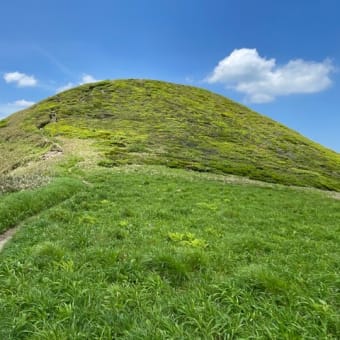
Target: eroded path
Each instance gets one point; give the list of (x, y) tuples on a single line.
[(6, 236)]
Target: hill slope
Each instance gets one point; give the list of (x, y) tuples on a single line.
[(149, 252), (153, 122)]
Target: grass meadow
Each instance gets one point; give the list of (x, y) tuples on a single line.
[(146, 254)]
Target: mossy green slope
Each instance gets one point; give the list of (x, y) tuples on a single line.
[(153, 122)]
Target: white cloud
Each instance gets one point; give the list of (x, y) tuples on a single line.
[(85, 79), (8, 108), (65, 87), (20, 79), (262, 80), (22, 103)]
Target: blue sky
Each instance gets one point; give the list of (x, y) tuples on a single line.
[(281, 58)]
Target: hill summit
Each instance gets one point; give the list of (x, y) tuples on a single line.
[(153, 122)]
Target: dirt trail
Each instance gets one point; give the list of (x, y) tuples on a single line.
[(6, 236)]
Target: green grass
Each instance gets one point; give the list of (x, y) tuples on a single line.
[(3, 123), (153, 122), (163, 254), (18, 206)]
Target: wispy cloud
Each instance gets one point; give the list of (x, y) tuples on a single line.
[(22, 103), (8, 108), (262, 80), (189, 79), (20, 79), (65, 87), (85, 79), (54, 61)]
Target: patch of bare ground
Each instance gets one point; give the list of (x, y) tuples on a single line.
[(6, 236), (63, 148)]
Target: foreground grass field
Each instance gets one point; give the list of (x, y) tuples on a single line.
[(162, 254)]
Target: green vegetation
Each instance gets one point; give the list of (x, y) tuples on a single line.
[(18, 206), (156, 253), (3, 123), (152, 122), (17, 147), (118, 240)]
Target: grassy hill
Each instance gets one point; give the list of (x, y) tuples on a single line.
[(152, 122), (116, 237)]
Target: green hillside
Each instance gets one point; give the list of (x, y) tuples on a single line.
[(158, 123), (128, 220)]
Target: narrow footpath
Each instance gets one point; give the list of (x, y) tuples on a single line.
[(6, 236)]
